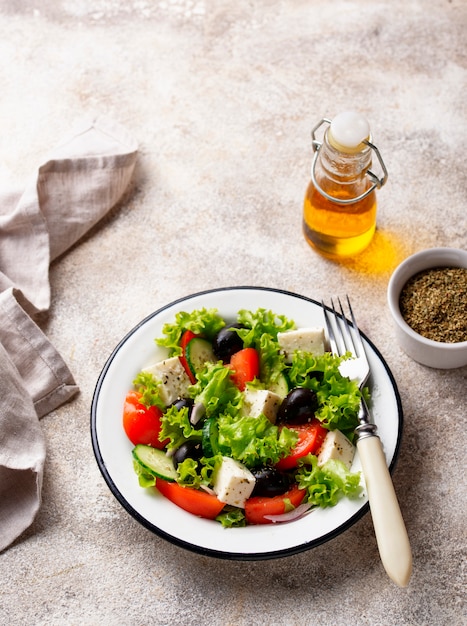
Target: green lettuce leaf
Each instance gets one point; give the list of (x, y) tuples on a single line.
[(272, 361), (231, 517), (327, 484), (195, 474), (259, 323), (148, 386), (188, 474), (254, 441), (261, 333), (176, 427), (338, 396), (208, 468), (216, 391), (206, 322), (145, 479)]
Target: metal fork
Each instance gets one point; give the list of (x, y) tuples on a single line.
[(390, 531)]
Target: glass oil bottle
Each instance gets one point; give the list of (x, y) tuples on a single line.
[(339, 214)]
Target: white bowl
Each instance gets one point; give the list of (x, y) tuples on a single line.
[(435, 354), (113, 449)]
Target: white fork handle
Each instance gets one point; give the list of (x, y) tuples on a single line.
[(391, 534)]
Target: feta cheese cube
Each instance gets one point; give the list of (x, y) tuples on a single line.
[(174, 381), (233, 482), (257, 401), (336, 446), (305, 339)]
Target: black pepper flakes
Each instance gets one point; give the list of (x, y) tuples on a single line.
[(434, 304)]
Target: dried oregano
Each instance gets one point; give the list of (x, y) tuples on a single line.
[(434, 304)]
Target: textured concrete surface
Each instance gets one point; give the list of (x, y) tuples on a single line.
[(221, 97)]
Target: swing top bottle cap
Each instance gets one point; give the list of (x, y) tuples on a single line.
[(347, 131)]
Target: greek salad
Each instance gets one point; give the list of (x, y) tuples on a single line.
[(246, 421)]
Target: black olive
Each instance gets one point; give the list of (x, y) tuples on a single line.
[(188, 450), (298, 407), (227, 342), (269, 482)]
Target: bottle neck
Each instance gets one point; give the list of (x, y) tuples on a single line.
[(343, 167)]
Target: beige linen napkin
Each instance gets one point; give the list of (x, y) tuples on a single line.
[(76, 186)]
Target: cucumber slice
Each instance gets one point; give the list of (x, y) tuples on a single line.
[(281, 386), (199, 351), (210, 437), (155, 462)]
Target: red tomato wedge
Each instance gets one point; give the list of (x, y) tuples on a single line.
[(187, 336), (257, 507), (310, 438), (192, 500), (142, 424), (245, 367)]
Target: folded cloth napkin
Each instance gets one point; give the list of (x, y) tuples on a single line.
[(84, 177)]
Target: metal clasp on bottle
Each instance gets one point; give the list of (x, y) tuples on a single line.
[(377, 183)]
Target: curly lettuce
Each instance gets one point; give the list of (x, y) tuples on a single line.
[(260, 332), (328, 483), (254, 441), (206, 322), (189, 474), (261, 322), (232, 517), (216, 391), (177, 428), (149, 388), (338, 396)]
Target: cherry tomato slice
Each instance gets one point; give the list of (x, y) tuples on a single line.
[(257, 507), (245, 367), (187, 336), (192, 500), (310, 438), (142, 424)]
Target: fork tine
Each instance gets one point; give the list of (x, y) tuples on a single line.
[(347, 336), (337, 337), (331, 335), (361, 348), (340, 335)]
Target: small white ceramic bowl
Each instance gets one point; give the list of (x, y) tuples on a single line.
[(425, 351)]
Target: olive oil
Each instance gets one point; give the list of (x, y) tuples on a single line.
[(339, 212), (337, 230)]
